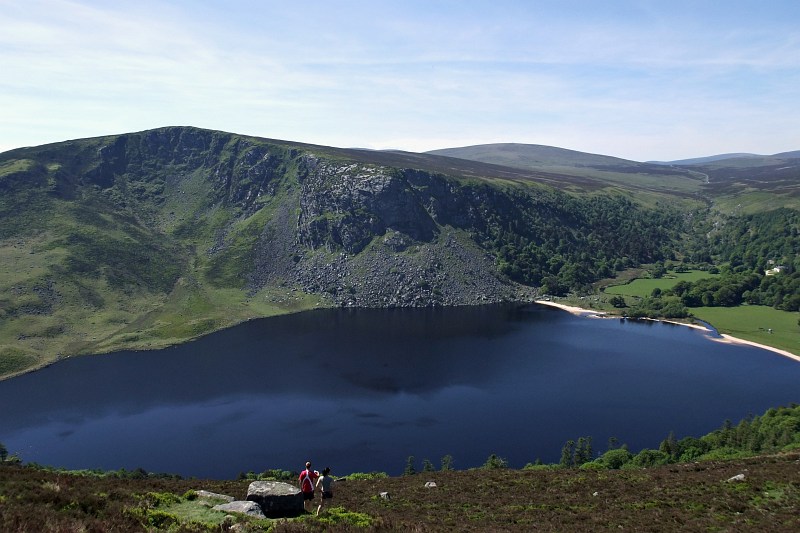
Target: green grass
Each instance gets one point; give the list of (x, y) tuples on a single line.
[(753, 201), (643, 287), (194, 511), (15, 165), (753, 322), (14, 360)]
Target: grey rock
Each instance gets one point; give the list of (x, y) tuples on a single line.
[(247, 508), (276, 498), (207, 495)]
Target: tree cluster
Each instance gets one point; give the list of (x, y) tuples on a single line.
[(562, 243), (776, 430), (732, 288), (757, 241)]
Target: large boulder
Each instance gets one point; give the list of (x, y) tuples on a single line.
[(277, 499)]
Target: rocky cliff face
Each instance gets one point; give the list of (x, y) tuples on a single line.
[(372, 236)]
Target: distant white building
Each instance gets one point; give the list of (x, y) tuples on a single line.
[(777, 270)]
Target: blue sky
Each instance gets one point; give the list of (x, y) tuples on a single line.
[(630, 78)]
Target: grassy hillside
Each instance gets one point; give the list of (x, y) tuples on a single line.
[(753, 184), (106, 243)]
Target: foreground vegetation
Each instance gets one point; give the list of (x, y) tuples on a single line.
[(743, 476), (685, 497)]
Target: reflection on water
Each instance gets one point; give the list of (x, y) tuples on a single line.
[(363, 389)]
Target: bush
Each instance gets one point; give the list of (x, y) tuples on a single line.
[(276, 474), (339, 515), (161, 519), (647, 458), (540, 466), (366, 476), (495, 462), (724, 453), (614, 459)]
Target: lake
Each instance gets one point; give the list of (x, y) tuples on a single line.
[(362, 390)]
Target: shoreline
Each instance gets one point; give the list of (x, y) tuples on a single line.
[(723, 337), (577, 311)]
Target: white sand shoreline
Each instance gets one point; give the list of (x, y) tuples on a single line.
[(728, 339)]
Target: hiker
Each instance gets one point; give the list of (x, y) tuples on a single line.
[(326, 482), (307, 479)]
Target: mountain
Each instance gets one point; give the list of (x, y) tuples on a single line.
[(146, 239)]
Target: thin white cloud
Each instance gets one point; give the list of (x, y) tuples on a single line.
[(634, 79)]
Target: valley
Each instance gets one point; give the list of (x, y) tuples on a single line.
[(144, 240)]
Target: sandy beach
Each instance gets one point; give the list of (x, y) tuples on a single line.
[(579, 311), (735, 340)]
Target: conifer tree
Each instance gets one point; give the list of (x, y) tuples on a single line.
[(447, 463), (409, 470)]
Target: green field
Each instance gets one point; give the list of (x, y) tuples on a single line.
[(642, 287), (748, 322), (753, 323)]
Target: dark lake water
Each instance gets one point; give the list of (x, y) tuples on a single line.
[(361, 390)]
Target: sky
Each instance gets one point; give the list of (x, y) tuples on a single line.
[(638, 79)]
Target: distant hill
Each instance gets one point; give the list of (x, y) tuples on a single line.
[(532, 156), (733, 182), (789, 155), (707, 159), (612, 172), (727, 157)]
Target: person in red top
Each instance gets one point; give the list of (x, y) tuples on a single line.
[(308, 480)]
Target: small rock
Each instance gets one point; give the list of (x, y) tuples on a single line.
[(207, 495), (385, 495), (430, 484), (595, 493), (738, 477), (248, 508)]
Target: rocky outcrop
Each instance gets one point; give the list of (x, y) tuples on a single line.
[(347, 205), (371, 236)]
